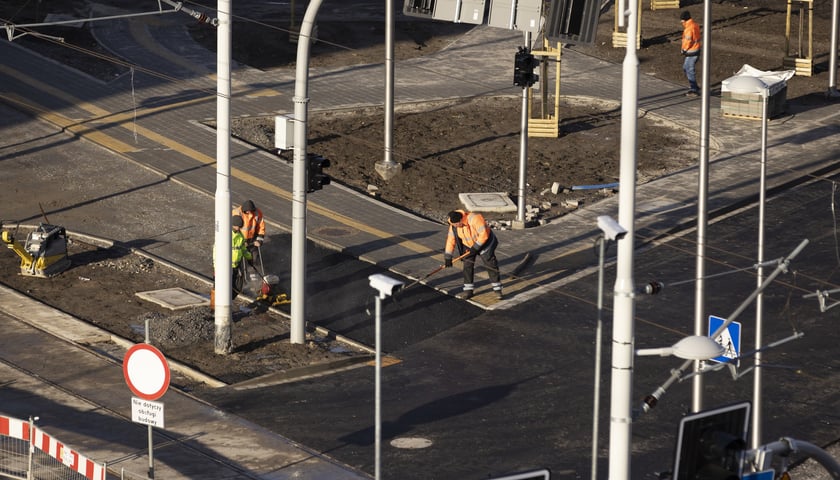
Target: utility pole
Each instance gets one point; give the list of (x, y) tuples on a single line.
[(222, 264)]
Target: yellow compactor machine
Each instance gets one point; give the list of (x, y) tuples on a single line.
[(44, 253)]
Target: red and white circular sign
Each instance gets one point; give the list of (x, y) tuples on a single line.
[(146, 371)]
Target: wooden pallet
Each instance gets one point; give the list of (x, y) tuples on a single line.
[(619, 40), (664, 4), (543, 127), (804, 66)]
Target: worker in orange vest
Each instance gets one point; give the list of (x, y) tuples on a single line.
[(470, 234), (690, 48), (253, 228)]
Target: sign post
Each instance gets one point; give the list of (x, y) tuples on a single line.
[(146, 372)]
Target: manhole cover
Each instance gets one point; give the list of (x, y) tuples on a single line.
[(411, 442)]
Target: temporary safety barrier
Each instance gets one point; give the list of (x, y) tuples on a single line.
[(27, 452)]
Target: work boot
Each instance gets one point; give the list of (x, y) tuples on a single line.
[(465, 295)]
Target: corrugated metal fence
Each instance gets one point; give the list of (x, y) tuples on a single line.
[(28, 453)]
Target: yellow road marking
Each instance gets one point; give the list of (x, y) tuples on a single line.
[(123, 120)]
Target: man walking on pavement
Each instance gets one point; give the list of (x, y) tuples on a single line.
[(690, 48), (470, 234), (253, 228)]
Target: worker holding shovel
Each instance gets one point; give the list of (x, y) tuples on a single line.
[(470, 234), (239, 252)]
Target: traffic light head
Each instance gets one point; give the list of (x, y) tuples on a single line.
[(524, 63), (315, 176)]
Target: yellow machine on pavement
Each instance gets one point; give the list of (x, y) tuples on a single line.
[(44, 253)]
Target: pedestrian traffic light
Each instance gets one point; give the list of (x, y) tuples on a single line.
[(523, 68), (711, 444), (315, 176)]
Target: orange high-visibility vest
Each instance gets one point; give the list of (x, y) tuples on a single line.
[(253, 227), (473, 234), (691, 38)]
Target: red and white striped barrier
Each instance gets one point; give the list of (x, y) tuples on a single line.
[(15, 428), (12, 427)]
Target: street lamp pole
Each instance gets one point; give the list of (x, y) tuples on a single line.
[(759, 300), (385, 286), (624, 291)]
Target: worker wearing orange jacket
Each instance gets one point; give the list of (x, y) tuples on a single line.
[(690, 48), (253, 228), (470, 235)]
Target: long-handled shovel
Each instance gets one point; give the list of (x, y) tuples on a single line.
[(434, 272), (265, 289)]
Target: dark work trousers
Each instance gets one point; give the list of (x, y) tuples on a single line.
[(491, 264), (238, 280)]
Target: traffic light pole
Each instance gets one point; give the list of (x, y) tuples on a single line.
[(519, 223), (299, 181), (521, 192)]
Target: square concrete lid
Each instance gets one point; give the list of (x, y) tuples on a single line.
[(498, 202), (174, 298)]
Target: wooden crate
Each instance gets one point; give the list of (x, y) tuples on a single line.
[(749, 105)]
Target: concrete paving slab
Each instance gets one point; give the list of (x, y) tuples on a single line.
[(173, 298), (497, 202)]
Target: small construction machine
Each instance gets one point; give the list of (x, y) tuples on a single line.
[(44, 253)]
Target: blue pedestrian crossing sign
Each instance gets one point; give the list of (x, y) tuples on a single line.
[(729, 339)]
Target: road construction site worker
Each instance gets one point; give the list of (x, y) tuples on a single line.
[(253, 228), (239, 252), (469, 234), (690, 48)]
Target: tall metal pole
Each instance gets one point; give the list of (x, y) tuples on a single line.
[(522, 184), (832, 57), (759, 299), (702, 204), (222, 241), (596, 403), (624, 302), (301, 99), (387, 168), (378, 391)]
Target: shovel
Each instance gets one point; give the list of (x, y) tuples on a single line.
[(265, 289), (434, 272)]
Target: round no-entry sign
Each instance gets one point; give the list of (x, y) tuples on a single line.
[(146, 371)]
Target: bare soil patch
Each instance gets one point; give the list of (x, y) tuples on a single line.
[(100, 288)]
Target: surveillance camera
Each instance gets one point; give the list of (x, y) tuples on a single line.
[(386, 285), (612, 230)]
